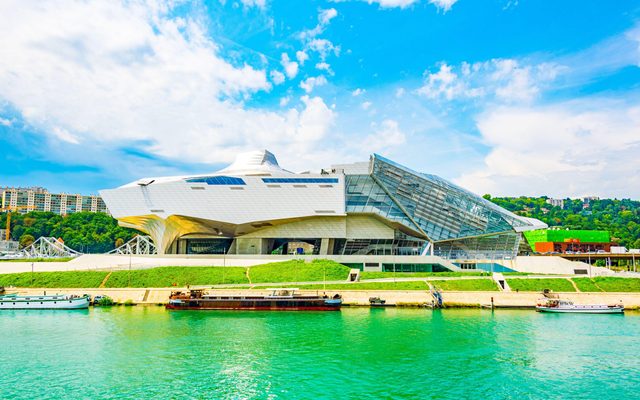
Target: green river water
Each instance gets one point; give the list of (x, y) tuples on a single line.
[(147, 352)]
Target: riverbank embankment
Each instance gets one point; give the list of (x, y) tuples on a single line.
[(150, 296)]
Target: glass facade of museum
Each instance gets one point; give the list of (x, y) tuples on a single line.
[(459, 223)]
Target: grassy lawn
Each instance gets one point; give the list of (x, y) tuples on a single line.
[(177, 276), (538, 285), (518, 273), (586, 285), (61, 259), (63, 279), (298, 271), (610, 284), (414, 285), (376, 274), (482, 285)]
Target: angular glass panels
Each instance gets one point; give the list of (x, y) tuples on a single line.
[(441, 209)]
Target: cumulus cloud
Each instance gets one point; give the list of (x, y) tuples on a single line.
[(134, 74), (254, 3), (504, 79), (357, 92), (290, 67), (301, 56), (277, 77), (323, 66), (324, 18), (323, 47), (310, 83), (387, 134), (566, 149), (443, 5), (366, 105)]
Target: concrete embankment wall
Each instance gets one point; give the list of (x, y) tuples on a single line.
[(361, 297)]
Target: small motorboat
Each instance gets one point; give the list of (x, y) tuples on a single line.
[(551, 305), (43, 302)]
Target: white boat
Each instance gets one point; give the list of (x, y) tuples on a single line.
[(566, 306), (43, 302)]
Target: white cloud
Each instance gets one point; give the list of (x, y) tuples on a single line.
[(277, 77), (302, 56), (504, 79), (64, 135), (358, 92), (393, 3), (254, 3), (386, 135), (290, 67), (323, 47), (566, 149), (284, 101), (5, 122), (323, 66), (324, 18), (366, 105), (444, 5), (134, 75), (400, 92), (310, 83)]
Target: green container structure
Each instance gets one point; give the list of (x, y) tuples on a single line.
[(557, 235)]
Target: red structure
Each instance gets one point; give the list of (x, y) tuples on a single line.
[(572, 245)]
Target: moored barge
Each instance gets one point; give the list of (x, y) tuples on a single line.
[(36, 302), (278, 300)]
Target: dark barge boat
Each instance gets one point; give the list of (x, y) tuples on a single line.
[(278, 300)]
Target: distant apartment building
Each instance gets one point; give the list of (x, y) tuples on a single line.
[(40, 199), (556, 202), (586, 201)]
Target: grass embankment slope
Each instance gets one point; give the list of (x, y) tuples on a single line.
[(378, 275), (479, 285), (608, 284), (287, 271), (538, 285), (403, 285), (598, 284), (61, 259), (63, 279)]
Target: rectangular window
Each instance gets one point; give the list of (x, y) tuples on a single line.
[(218, 180), (300, 180)]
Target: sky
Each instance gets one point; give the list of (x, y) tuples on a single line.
[(507, 97)]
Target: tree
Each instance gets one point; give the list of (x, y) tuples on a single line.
[(119, 242), (26, 240)]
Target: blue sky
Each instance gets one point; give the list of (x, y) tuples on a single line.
[(501, 96)]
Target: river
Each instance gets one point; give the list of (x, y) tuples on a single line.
[(359, 353)]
